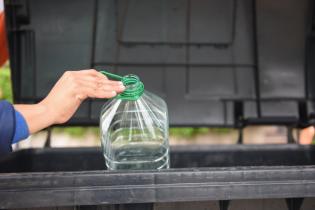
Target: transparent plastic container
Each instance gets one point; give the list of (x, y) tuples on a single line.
[(134, 129)]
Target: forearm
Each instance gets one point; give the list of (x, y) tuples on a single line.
[(37, 116)]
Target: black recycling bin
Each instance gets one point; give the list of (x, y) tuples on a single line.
[(219, 63), (202, 177)]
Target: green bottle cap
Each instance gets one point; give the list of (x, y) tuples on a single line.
[(134, 86)]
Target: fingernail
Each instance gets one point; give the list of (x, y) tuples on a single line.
[(120, 83), (114, 93)]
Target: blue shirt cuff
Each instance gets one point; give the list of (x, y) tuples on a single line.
[(21, 128)]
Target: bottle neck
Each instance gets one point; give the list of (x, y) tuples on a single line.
[(134, 88)]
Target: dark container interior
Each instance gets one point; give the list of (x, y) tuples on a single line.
[(87, 159)]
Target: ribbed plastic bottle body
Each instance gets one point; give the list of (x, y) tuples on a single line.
[(135, 133)]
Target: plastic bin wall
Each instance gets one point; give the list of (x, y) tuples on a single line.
[(239, 177), (228, 62)]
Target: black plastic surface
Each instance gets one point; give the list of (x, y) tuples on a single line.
[(87, 159), (245, 172), (203, 55)]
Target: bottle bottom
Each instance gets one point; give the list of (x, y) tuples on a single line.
[(138, 157)]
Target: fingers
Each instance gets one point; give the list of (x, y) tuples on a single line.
[(85, 92), (89, 89), (98, 80), (105, 86), (95, 76), (92, 72), (105, 94), (91, 83)]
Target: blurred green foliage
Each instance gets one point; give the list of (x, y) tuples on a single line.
[(77, 131), (189, 132), (186, 132), (5, 83)]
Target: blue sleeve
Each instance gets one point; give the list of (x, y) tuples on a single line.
[(21, 128), (13, 127), (7, 127)]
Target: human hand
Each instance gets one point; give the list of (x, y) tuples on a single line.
[(66, 96), (73, 88)]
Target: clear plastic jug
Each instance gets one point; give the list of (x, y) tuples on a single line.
[(134, 129)]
